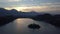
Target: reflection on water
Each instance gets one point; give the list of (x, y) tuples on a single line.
[(19, 26)]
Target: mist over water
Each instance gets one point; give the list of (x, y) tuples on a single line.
[(20, 26)]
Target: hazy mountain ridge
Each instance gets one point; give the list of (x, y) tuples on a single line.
[(14, 12), (51, 12)]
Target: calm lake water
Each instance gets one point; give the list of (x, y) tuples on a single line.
[(20, 26)]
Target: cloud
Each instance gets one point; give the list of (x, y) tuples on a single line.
[(30, 4), (13, 0), (19, 3), (49, 4), (36, 8), (9, 0)]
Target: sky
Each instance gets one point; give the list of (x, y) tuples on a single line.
[(28, 5)]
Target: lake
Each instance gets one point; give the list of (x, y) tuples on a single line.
[(20, 26)]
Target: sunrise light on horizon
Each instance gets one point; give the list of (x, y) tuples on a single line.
[(28, 5)]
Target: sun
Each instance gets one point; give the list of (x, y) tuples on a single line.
[(19, 8), (28, 9)]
